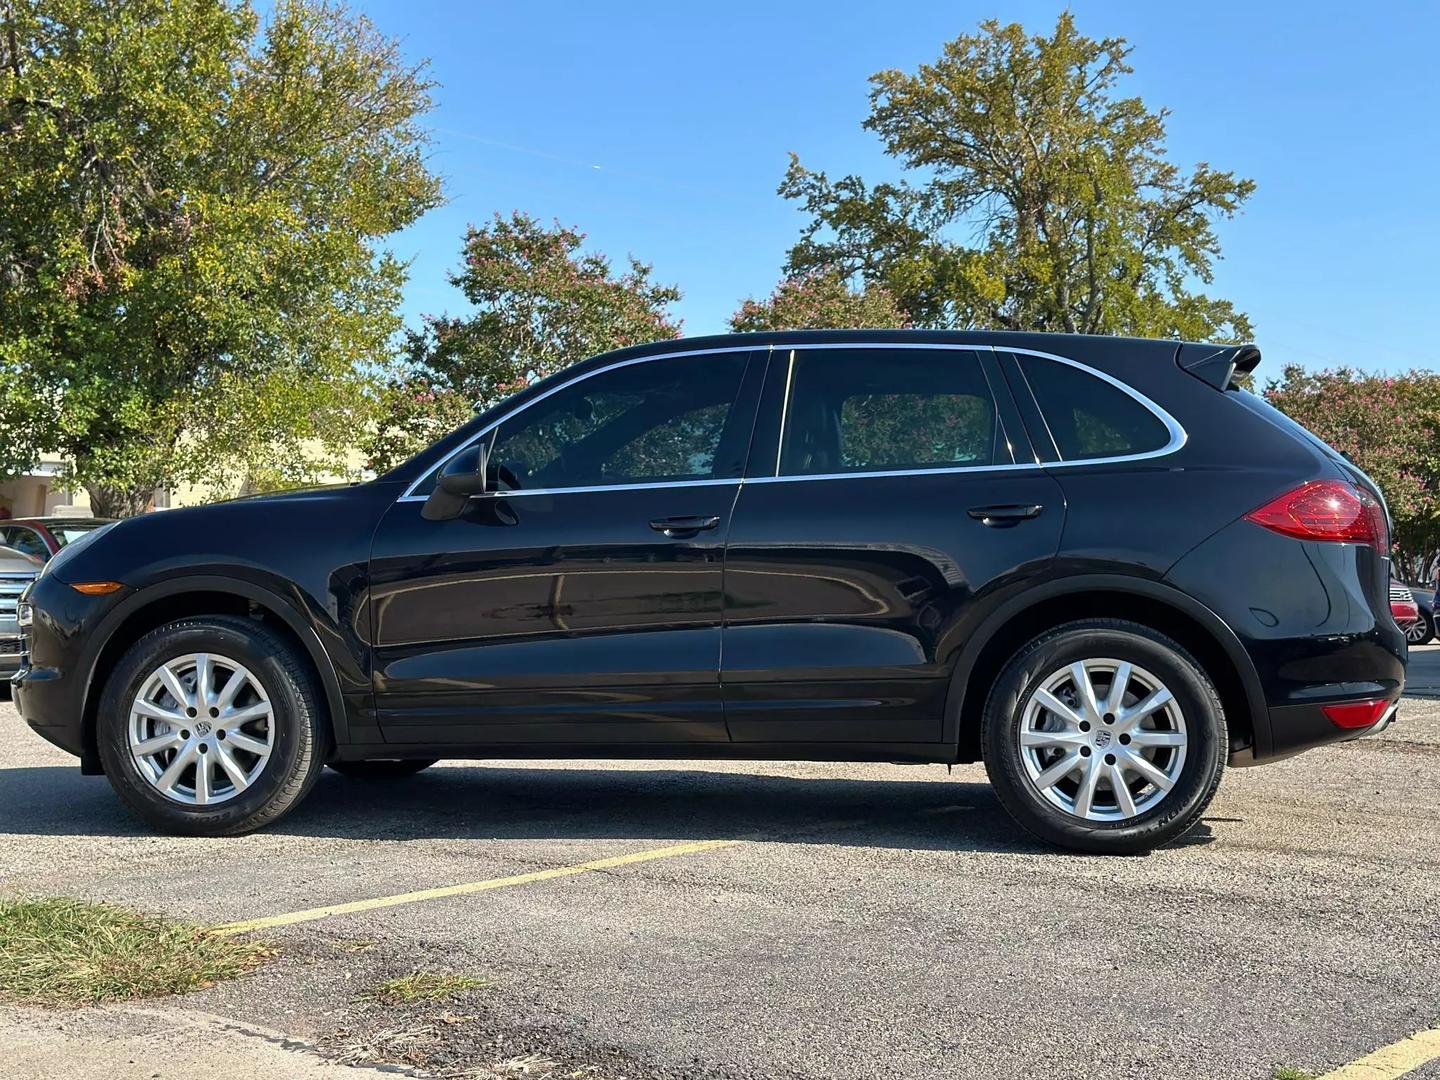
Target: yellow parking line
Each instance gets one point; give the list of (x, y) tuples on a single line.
[(311, 914), (1395, 1060)]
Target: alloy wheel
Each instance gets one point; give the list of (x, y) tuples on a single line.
[(1418, 631), (1103, 740), (201, 729)]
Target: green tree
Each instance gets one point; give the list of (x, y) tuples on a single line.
[(818, 300), (541, 303), (1042, 199), (191, 279), (1389, 425)]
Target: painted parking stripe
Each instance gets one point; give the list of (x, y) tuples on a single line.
[(311, 914), (1393, 1061)]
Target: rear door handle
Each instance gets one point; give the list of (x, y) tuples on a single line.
[(1002, 517), (682, 528)]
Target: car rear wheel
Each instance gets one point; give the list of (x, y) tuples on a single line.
[(381, 770), (211, 727), (1422, 632), (1104, 736)]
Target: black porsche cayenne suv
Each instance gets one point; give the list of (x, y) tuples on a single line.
[(1093, 563)]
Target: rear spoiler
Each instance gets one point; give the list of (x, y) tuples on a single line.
[(1218, 364)]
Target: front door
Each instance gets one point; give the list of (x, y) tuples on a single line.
[(889, 489), (581, 603)]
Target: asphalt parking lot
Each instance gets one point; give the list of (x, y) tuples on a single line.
[(786, 921)]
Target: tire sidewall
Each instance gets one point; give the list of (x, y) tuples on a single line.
[(1194, 694), (293, 718)]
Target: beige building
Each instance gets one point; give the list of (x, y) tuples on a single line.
[(41, 493)]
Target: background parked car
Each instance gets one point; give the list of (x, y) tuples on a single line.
[(1422, 630), (42, 537), (17, 570), (1402, 606)]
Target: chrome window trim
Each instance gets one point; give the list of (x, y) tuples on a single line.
[(598, 487), (1178, 435), (410, 496), (784, 405)]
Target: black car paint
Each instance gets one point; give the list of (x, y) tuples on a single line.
[(821, 618)]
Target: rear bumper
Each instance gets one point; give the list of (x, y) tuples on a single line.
[(1297, 728), (1313, 619)]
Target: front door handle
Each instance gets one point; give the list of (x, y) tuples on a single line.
[(682, 528), (1003, 517)]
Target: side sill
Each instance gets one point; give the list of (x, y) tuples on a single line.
[(897, 753)]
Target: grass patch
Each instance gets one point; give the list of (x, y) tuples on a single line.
[(1290, 1072), (68, 952), (423, 986)]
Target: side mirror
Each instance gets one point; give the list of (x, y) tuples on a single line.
[(467, 473)]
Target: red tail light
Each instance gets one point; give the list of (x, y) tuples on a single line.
[(1356, 714), (1326, 510)]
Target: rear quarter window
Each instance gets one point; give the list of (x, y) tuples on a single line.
[(1089, 417)]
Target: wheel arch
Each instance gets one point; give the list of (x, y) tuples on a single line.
[(178, 598), (1150, 603)]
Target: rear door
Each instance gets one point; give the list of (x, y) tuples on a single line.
[(891, 489)]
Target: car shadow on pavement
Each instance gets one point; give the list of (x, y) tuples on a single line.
[(656, 803)]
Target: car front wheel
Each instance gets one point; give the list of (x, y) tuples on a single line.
[(1104, 736), (211, 727), (1421, 632)]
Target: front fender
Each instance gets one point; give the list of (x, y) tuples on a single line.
[(344, 681)]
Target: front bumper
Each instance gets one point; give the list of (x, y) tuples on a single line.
[(50, 683)]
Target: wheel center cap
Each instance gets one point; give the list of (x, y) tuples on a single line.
[(1102, 739), (203, 728)]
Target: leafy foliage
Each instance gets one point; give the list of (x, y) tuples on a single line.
[(541, 303), (817, 300), (190, 281), (1042, 199), (1389, 425)]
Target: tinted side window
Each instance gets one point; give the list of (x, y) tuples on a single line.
[(654, 422), (876, 410), (1089, 417)]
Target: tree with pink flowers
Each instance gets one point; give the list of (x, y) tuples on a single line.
[(820, 300), (1388, 425)]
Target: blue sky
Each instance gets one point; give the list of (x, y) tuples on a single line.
[(662, 129)]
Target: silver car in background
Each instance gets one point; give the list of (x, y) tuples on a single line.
[(17, 570)]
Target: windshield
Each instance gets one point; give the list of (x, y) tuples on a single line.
[(65, 533)]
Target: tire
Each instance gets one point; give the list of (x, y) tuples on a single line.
[(1421, 633), (295, 727), (1192, 761), (381, 770)]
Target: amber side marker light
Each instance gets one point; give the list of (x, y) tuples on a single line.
[(97, 588)]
